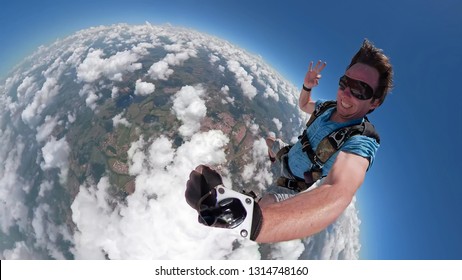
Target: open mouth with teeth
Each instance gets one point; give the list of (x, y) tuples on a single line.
[(346, 105)]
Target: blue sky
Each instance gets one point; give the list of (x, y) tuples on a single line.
[(411, 201)]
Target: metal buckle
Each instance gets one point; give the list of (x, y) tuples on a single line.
[(338, 137)]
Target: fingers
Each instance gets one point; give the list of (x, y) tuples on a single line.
[(194, 177), (194, 191), (212, 177), (322, 65), (318, 67)]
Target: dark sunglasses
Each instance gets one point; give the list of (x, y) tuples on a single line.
[(358, 89)]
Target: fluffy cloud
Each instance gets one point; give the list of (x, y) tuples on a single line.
[(228, 99), (243, 78), (190, 108), (13, 210), (27, 87), (269, 92), (55, 154), (89, 91), (46, 128), (46, 232), (45, 187), (278, 123), (144, 88), (161, 69), (258, 170), (20, 251), (94, 66), (41, 99), (118, 119)]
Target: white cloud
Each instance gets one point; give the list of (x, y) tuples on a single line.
[(142, 48), (27, 87), (71, 117), (254, 128), (41, 99), (269, 92), (95, 67), (228, 99), (114, 92), (160, 71), (244, 79), (89, 91), (20, 251), (144, 88), (91, 100), (161, 153), (137, 156), (174, 47), (278, 123), (118, 119), (289, 250), (46, 232), (45, 187), (258, 171), (213, 58), (13, 210), (55, 154), (225, 89), (179, 58), (190, 108), (45, 130)]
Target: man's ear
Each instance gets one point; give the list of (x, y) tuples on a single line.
[(375, 104)]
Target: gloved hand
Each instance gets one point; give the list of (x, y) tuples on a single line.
[(201, 194)]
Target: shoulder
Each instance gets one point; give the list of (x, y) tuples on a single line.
[(363, 146), (362, 139)]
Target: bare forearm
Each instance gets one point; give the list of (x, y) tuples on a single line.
[(310, 212), (303, 215), (305, 102), (304, 98)]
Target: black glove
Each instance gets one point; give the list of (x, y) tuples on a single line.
[(201, 194)]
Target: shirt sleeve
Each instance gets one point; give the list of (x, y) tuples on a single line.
[(359, 145), (362, 146)]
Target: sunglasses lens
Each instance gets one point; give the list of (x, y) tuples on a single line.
[(358, 89), (358, 93), (343, 83)]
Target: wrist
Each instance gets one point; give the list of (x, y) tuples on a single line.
[(257, 222), (306, 88)]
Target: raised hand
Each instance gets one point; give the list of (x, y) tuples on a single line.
[(313, 75)]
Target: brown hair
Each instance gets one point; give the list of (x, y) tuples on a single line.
[(374, 57)]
